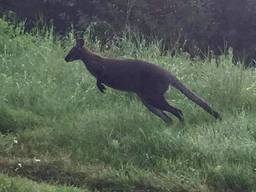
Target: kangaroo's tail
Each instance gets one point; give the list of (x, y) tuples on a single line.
[(195, 98)]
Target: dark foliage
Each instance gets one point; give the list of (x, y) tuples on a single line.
[(200, 27)]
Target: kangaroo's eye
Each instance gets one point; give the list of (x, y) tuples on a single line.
[(73, 52)]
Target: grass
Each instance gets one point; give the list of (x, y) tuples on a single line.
[(60, 129), (17, 184)]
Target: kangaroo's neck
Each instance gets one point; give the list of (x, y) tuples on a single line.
[(93, 62)]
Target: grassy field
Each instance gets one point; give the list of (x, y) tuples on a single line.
[(57, 128)]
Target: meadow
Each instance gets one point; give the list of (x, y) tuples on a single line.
[(59, 133)]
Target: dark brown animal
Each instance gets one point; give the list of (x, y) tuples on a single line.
[(147, 80)]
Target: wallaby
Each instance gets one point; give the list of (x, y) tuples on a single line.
[(147, 80)]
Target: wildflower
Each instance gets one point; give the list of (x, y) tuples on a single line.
[(15, 141), (37, 160)]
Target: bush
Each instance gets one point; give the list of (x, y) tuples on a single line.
[(198, 27)]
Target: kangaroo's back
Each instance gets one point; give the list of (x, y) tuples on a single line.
[(134, 75)]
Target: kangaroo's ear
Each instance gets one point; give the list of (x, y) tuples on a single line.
[(80, 43)]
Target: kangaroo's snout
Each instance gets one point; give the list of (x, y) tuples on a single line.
[(67, 59)]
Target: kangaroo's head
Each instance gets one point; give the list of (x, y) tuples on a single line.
[(76, 52)]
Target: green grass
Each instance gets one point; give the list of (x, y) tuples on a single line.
[(51, 110), (8, 184)]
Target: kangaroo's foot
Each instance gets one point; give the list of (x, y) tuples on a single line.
[(101, 87)]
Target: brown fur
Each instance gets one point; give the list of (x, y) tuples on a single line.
[(147, 80)]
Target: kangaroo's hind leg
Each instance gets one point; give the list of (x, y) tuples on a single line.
[(157, 112), (164, 105), (159, 102)]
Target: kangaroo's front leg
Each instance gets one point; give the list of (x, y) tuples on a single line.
[(100, 86)]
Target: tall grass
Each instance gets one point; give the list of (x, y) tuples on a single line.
[(50, 109)]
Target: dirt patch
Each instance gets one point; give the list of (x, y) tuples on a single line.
[(53, 173)]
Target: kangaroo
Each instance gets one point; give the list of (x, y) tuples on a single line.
[(148, 81)]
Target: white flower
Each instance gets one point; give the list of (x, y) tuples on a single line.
[(37, 160)]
